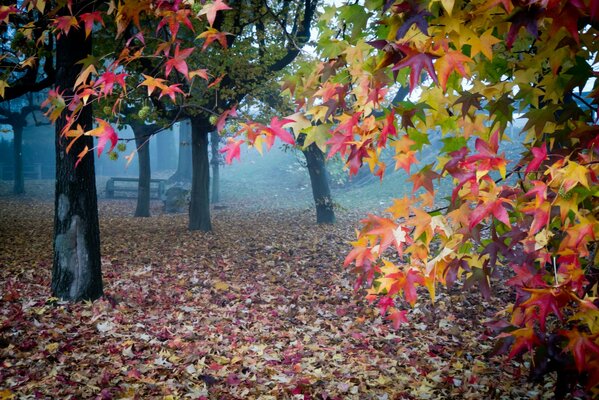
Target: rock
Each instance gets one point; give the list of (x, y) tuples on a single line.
[(176, 200)]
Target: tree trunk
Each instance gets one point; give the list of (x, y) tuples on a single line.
[(165, 144), (325, 214), (214, 141), (199, 207), (184, 167), (76, 272), (19, 184), (143, 184)]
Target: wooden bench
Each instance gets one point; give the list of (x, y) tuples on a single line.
[(122, 186)]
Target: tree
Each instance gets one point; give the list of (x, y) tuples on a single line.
[(142, 133), (532, 222), (184, 170), (76, 272), (215, 161), (82, 79), (18, 121)]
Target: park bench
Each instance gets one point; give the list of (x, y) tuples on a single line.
[(122, 186)]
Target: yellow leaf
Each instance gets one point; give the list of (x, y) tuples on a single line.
[(3, 86), (6, 394), (52, 347), (448, 5), (318, 134), (220, 285), (300, 123)]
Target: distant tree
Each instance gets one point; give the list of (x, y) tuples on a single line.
[(16, 113), (184, 167)]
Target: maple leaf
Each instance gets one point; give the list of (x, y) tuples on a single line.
[(210, 10), (544, 301), (108, 79), (539, 155), (527, 17), (89, 19), (152, 83), (171, 91), (104, 132), (220, 122), (424, 178), (525, 338), (388, 129), (451, 61), (202, 73), (385, 229), (210, 35), (397, 318), (275, 129), (232, 150), (581, 345), (6, 12), (64, 24), (55, 103), (178, 62), (417, 61), (493, 207), (469, 100)]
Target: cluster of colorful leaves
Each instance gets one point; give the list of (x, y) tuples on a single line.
[(107, 76), (535, 225)]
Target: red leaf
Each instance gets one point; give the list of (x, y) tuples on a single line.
[(276, 129), (539, 155), (417, 61), (171, 91), (104, 132), (89, 19), (211, 9), (178, 62), (220, 122), (232, 149), (581, 344), (398, 318)]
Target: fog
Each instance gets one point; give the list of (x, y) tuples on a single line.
[(276, 179)]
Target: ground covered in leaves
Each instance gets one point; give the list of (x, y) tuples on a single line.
[(261, 308)]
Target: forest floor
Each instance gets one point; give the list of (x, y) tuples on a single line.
[(260, 308)]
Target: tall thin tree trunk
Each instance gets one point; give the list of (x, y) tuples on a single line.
[(165, 145), (214, 141), (325, 213), (19, 183), (184, 167), (76, 271), (199, 207), (145, 173)]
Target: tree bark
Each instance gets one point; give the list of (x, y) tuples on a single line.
[(76, 271), (184, 167), (215, 162), (19, 183), (325, 214), (199, 207), (165, 144), (142, 142)]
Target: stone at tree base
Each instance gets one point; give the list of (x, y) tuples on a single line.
[(176, 200)]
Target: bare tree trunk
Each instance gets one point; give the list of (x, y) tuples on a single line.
[(76, 272), (215, 162), (325, 213), (184, 167), (19, 183), (165, 144), (199, 207), (142, 142)]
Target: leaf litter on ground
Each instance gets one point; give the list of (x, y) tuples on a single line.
[(259, 308)]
